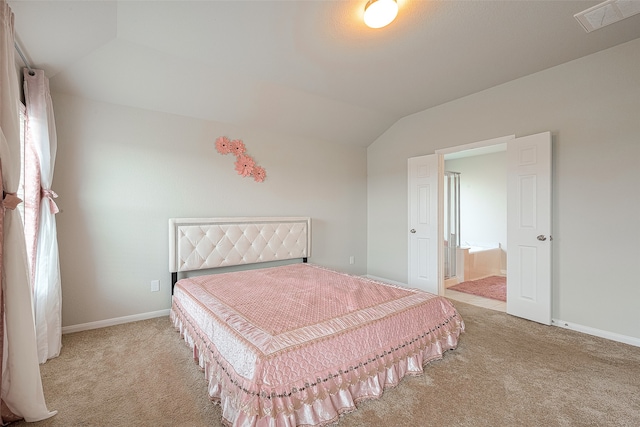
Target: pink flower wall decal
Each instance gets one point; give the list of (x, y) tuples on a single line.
[(244, 165), (237, 147), (223, 145), (259, 174)]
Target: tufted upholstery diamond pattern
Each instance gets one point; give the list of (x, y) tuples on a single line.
[(197, 244)]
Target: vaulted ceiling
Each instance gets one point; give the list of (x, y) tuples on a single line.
[(306, 68)]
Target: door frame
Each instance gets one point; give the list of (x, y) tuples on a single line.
[(475, 148)]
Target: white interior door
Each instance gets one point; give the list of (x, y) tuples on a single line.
[(423, 223), (529, 227)]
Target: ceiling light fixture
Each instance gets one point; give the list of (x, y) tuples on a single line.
[(379, 13)]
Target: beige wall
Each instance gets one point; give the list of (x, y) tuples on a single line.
[(592, 108), (483, 198), (121, 173)]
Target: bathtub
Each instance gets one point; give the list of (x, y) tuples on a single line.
[(476, 261)]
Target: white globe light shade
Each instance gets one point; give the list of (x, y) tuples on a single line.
[(378, 13)]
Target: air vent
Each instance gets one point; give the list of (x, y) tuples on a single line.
[(607, 13)]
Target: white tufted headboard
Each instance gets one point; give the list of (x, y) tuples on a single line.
[(204, 243)]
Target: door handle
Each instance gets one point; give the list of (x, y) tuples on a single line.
[(413, 230), (541, 237)]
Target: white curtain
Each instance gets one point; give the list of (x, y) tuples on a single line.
[(40, 134), (21, 381)]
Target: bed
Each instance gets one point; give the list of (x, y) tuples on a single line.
[(295, 343)]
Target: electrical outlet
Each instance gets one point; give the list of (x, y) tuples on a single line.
[(352, 259), (155, 285)]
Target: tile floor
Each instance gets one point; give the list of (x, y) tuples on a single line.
[(476, 300)]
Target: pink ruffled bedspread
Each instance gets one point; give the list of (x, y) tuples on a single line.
[(301, 344)]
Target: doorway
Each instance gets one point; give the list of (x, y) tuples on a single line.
[(475, 226), (528, 223)]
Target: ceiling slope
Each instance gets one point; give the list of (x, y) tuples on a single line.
[(305, 68)]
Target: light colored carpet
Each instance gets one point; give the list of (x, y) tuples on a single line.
[(505, 372)]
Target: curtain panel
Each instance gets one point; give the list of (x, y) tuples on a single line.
[(41, 145), (9, 201), (21, 382)]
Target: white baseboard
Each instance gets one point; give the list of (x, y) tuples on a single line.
[(596, 332), (115, 321), (160, 313), (382, 279)]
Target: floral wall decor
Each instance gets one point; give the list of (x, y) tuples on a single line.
[(245, 165)]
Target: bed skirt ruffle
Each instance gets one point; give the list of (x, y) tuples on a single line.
[(323, 401)]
